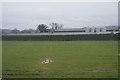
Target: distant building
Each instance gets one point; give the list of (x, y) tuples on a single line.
[(112, 28), (70, 30), (95, 29), (89, 29), (85, 30)]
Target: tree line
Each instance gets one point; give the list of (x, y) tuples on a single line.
[(41, 28), (54, 26)]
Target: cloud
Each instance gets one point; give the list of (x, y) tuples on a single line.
[(29, 15)]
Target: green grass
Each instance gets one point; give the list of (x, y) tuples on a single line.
[(72, 59)]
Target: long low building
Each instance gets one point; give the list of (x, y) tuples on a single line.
[(71, 30), (89, 29)]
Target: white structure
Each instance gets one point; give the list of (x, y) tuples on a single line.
[(103, 29), (92, 29), (97, 29), (86, 29)]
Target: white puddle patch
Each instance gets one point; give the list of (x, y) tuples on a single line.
[(46, 61)]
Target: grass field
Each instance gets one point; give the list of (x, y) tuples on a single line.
[(72, 59)]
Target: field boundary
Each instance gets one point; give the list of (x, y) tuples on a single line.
[(95, 37)]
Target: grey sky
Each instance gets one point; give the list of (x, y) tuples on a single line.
[(29, 15)]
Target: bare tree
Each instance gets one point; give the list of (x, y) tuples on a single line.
[(15, 31), (56, 26), (60, 26)]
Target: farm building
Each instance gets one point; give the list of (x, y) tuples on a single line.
[(66, 31), (89, 29), (70, 30)]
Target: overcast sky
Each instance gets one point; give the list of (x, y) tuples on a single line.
[(71, 15)]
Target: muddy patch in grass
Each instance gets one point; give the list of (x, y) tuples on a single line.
[(97, 71), (22, 74), (21, 71)]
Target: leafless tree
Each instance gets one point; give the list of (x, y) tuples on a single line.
[(56, 26), (15, 31)]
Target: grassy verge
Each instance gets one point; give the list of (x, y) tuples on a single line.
[(73, 59)]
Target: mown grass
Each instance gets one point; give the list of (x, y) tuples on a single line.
[(72, 59)]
